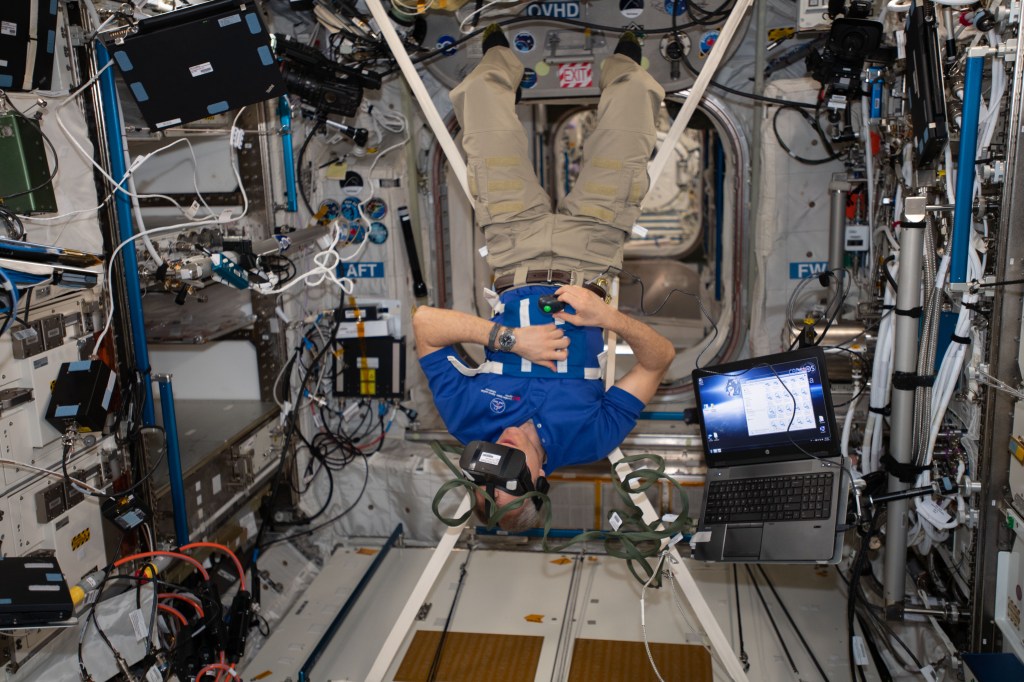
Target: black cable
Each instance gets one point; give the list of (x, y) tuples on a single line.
[(91, 619), (876, 656), (771, 618), (290, 429), (65, 456), (815, 125), (843, 287), (851, 598), (321, 121), (15, 227), (856, 395), (799, 634), (1004, 283), (28, 306), (700, 304), (725, 88), (329, 521), (744, 659), (436, 663)]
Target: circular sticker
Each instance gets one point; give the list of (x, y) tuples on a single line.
[(350, 209), (541, 68), (707, 41), (378, 233), (524, 41), (446, 44), (529, 78), (631, 9), (355, 233), (332, 207), (497, 405), (375, 208), (352, 184), (677, 7)]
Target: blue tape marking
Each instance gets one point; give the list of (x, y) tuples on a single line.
[(363, 270), (139, 90), (218, 107), (53, 7), (5, 601), (51, 39), (6, 80), (266, 58), (54, 577), (807, 269), (254, 23), (79, 366), (65, 411), (123, 61)]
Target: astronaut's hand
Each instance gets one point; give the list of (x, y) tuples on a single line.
[(591, 310), (542, 345)]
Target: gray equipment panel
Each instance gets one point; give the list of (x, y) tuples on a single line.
[(563, 60)]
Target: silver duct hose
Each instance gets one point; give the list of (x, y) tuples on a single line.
[(929, 343)]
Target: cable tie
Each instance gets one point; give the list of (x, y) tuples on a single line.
[(956, 338), (904, 472), (884, 411), (910, 312)]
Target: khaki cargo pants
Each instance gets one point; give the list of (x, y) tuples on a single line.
[(587, 232)]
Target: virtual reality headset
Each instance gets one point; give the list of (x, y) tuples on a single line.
[(500, 467)]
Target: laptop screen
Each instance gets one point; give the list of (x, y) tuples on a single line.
[(772, 405)]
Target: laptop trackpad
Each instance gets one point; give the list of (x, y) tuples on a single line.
[(742, 543)]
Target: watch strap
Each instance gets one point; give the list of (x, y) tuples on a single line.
[(493, 337)]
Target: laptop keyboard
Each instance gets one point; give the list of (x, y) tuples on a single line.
[(777, 498)]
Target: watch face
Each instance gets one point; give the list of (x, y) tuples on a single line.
[(506, 340)]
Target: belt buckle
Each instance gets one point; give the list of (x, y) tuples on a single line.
[(549, 280)]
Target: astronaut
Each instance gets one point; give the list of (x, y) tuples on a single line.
[(540, 388)]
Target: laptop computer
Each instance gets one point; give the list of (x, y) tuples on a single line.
[(775, 489), (197, 62)]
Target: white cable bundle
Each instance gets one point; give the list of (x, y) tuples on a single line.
[(881, 381)]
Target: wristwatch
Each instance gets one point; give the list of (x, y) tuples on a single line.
[(506, 340)]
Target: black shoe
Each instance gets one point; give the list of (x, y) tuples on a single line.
[(629, 45), (494, 36)]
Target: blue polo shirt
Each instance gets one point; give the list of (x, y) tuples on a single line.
[(577, 420)]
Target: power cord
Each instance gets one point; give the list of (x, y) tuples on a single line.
[(815, 125), (643, 308)]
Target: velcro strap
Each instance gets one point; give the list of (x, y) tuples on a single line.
[(909, 381), (907, 225), (972, 306), (960, 339), (884, 411), (907, 473), (910, 312)]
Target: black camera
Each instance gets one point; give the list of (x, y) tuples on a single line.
[(331, 87), (838, 66)]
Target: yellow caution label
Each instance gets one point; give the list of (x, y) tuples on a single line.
[(781, 33), (80, 539), (533, 618), (367, 382), (367, 551), (561, 561)]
